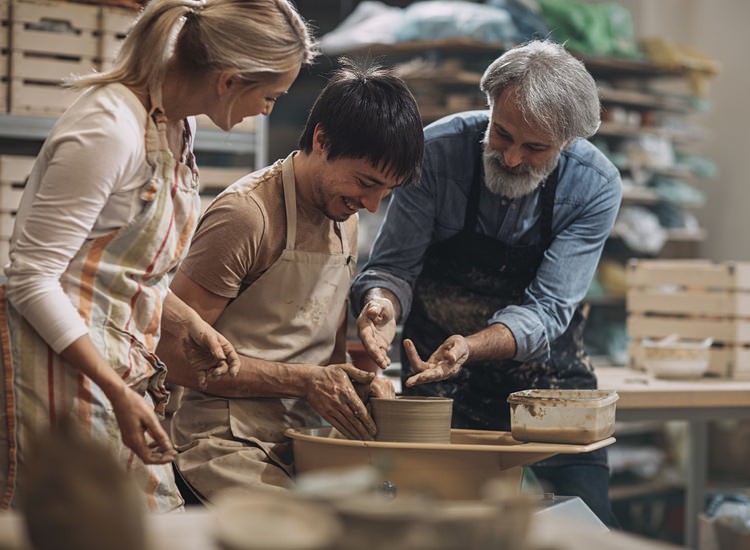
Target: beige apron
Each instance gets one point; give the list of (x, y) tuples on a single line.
[(290, 314)]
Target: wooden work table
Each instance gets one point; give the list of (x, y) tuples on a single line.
[(643, 397)]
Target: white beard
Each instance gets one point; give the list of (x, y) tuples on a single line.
[(512, 183)]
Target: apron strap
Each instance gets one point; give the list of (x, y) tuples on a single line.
[(344, 239), (290, 204), (472, 203), (290, 201), (549, 189)]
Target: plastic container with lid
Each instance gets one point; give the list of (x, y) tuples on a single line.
[(562, 416)]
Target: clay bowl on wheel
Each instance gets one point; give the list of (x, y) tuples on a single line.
[(413, 419)]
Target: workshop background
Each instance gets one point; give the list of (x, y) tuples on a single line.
[(674, 83)]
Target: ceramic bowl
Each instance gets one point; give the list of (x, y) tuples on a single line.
[(267, 520), (677, 359), (413, 419)]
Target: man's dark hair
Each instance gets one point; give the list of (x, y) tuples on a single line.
[(369, 114)]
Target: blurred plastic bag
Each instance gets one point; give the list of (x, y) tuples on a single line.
[(440, 20), (370, 23), (640, 229), (526, 16), (591, 29)]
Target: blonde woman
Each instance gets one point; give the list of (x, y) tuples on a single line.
[(106, 217)]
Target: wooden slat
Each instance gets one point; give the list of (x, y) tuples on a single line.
[(109, 46), (729, 304), (27, 66), (4, 247), (7, 220), (695, 273), (28, 98), (4, 32), (117, 20), (54, 43), (721, 330), (10, 196), (79, 16), (15, 168)]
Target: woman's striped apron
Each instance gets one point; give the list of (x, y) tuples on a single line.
[(118, 283)]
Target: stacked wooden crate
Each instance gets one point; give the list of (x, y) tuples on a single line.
[(4, 42), (49, 41), (215, 179), (115, 24), (13, 173), (694, 299)]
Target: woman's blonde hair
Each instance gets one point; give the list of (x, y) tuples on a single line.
[(257, 38)]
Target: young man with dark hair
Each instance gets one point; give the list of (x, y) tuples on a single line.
[(270, 267)]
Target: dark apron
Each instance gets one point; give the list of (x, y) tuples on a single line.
[(464, 281)]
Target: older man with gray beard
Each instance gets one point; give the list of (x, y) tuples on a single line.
[(487, 260)]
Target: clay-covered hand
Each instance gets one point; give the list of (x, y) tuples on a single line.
[(382, 387), (376, 326), (331, 392), (444, 363), (140, 428), (208, 352)]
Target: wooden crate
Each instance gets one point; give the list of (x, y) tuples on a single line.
[(216, 179), (696, 299), (4, 82), (4, 25), (4, 246), (49, 41), (30, 66), (14, 170), (7, 219), (10, 196), (38, 98), (114, 26), (55, 28)]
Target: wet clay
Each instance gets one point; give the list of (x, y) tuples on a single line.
[(562, 435), (413, 419)]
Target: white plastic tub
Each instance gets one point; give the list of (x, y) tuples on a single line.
[(562, 416)]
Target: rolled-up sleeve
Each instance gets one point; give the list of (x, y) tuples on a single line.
[(563, 277)]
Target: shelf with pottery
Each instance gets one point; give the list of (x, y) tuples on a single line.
[(620, 130), (675, 235), (600, 65), (635, 99)]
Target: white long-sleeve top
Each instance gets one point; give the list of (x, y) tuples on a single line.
[(84, 184)]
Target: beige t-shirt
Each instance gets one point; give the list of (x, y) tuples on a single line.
[(243, 232)]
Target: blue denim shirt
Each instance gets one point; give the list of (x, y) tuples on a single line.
[(586, 203)]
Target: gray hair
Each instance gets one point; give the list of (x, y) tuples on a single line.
[(258, 38), (553, 89)]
